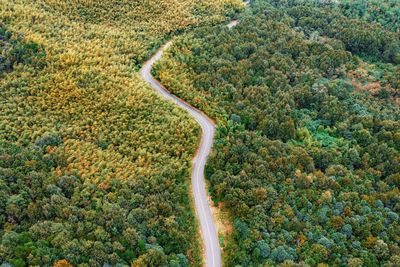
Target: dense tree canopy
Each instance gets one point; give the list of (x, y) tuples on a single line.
[(94, 166), (386, 12), (15, 51), (307, 157)]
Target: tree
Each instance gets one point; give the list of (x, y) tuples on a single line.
[(152, 258)]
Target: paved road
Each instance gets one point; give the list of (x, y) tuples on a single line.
[(232, 24), (208, 230)]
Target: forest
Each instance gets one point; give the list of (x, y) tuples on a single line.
[(307, 155), (94, 166)]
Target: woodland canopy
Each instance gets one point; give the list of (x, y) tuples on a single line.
[(306, 159)]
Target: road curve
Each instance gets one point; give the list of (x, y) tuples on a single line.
[(208, 230)]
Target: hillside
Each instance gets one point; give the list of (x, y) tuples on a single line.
[(94, 166), (307, 156)]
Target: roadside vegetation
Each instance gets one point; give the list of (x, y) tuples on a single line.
[(94, 165), (306, 158)]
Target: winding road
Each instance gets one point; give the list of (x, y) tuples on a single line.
[(208, 229)]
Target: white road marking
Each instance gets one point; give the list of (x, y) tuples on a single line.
[(209, 233)]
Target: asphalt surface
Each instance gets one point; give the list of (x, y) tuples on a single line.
[(208, 230), (232, 24), (207, 225)]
